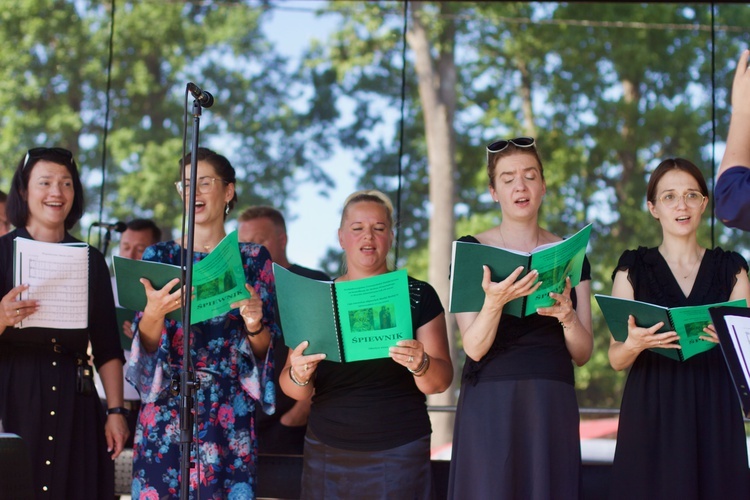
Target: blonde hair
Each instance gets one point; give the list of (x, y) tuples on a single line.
[(374, 196)]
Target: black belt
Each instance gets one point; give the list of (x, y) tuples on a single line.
[(80, 359)]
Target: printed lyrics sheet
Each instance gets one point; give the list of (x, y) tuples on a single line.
[(57, 275)]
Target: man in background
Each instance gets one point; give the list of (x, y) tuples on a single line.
[(140, 234), (283, 432), (4, 223)]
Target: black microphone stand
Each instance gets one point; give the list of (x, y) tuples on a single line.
[(187, 377), (107, 239)]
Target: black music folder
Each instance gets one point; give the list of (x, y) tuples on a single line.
[(733, 328)]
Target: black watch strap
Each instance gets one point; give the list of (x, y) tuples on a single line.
[(119, 410)]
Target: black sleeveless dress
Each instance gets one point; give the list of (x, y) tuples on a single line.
[(681, 432)]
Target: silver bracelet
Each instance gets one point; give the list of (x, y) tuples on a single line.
[(294, 379), (423, 366)]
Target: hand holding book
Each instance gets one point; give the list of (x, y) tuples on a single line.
[(563, 309), (678, 333), (511, 288), (162, 301), (302, 367), (642, 338)]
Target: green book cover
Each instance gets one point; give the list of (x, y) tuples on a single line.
[(687, 321), (348, 321), (218, 281), (124, 315), (554, 262)]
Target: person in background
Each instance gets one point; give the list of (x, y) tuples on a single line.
[(284, 431), (733, 181), (681, 432), (369, 432), (4, 223), (46, 396), (232, 355), (138, 235), (516, 433)]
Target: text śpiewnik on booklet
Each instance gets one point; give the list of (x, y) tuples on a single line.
[(349, 320)]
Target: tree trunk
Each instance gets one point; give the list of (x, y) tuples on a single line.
[(437, 93)]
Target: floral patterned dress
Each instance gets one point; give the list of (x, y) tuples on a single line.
[(230, 382)]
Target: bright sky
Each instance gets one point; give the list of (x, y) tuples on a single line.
[(312, 220)]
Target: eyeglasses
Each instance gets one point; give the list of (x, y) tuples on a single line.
[(39, 153), (521, 142), (205, 185), (692, 199)]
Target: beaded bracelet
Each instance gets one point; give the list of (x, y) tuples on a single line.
[(562, 323), (294, 378), (423, 366)]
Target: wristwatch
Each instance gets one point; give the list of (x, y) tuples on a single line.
[(119, 410)]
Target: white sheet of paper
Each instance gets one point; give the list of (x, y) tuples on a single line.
[(739, 330), (57, 275)]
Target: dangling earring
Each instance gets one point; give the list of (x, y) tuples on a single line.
[(226, 209)]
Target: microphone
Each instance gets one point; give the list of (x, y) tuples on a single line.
[(204, 98), (118, 226)]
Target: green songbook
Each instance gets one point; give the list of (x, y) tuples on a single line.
[(688, 322), (218, 281), (348, 321), (124, 315), (554, 262)]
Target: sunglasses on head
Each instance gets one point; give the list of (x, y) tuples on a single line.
[(38, 153), (521, 142)]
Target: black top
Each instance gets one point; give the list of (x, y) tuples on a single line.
[(102, 320), (526, 348), (681, 433), (374, 405), (38, 397)]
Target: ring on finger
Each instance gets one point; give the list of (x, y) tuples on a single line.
[(305, 369), (18, 312), (411, 359)]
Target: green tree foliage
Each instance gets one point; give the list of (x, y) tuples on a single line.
[(53, 83), (609, 90)]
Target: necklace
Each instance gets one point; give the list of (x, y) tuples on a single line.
[(505, 245), (692, 268)]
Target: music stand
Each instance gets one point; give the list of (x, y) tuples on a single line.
[(733, 328)]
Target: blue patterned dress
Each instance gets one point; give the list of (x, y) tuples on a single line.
[(230, 380)]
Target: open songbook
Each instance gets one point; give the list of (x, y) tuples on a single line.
[(218, 281), (688, 322), (553, 261)]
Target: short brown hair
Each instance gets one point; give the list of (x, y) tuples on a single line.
[(263, 211)]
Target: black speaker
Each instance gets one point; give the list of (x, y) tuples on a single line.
[(15, 469)]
